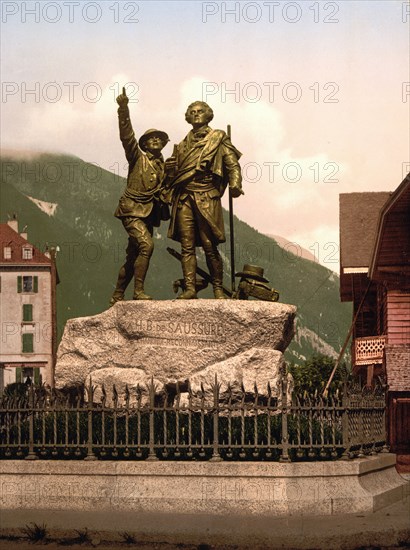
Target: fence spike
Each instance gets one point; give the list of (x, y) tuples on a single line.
[(90, 391), (114, 394)]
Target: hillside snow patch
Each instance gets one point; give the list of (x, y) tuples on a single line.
[(48, 207)]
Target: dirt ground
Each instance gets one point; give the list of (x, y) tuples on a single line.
[(385, 529), (70, 542)]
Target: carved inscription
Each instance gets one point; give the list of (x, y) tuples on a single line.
[(179, 333)]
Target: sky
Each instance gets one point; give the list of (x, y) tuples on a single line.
[(317, 93)]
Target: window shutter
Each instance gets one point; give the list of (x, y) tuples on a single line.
[(36, 284), (28, 343), (18, 374), (19, 283), (27, 312), (36, 376)]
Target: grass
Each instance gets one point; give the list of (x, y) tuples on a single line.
[(83, 536), (128, 538), (35, 532)]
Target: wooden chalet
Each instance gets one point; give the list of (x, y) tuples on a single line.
[(375, 276)]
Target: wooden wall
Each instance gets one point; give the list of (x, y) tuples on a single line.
[(398, 317)]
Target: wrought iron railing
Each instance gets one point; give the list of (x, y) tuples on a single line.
[(369, 350), (207, 424)]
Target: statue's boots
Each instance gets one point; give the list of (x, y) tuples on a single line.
[(116, 298), (189, 271), (124, 277), (140, 270), (215, 266)]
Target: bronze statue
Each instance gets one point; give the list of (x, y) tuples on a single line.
[(139, 208), (201, 167)]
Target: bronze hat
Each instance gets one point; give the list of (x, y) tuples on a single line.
[(253, 272), (152, 132)]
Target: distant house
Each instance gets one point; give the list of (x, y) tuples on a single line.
[(375, 276), (27, 309)]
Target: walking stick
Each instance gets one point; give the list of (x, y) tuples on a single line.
[(231, 230)]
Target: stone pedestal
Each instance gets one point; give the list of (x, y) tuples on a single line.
[(243, 489), (242, 342)]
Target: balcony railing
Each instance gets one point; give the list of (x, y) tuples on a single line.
[(369, 350)]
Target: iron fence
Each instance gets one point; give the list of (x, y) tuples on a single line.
[(151, 423)]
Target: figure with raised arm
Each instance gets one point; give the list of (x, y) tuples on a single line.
[(139, 208)]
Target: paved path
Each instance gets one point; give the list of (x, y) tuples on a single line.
[(386, 528)]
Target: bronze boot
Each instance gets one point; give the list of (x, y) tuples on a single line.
[(116, 297), (140, 271), (215, 266), (124, 277), (189, 271)]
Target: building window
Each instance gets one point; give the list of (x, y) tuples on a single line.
[(28, 343), (27, 313), (27, 253), (7, 252), (23, 374), (27, 283), (27, 374)]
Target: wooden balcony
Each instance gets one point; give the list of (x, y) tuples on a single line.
[(369, 350)]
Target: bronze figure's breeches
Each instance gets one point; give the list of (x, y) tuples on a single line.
[(191, 225), (140, 236), (138, 254)]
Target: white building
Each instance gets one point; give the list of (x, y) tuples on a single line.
[(27, 309)]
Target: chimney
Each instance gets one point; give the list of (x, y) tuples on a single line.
[(14, 224), (24, 235)]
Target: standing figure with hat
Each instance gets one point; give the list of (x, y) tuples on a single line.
[(199, 171), (139, 208)]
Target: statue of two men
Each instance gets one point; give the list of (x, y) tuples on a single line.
[(192, 181)]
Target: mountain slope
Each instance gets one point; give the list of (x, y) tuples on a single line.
[(92, 242)]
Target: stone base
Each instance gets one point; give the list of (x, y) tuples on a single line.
[(251, 489), (172, 341)]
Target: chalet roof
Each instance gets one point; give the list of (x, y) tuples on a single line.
[(391, 250), (12, 239), (359, 214)]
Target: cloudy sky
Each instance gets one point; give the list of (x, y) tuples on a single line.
[(317, 93)]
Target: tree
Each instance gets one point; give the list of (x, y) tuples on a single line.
[(314, 374)]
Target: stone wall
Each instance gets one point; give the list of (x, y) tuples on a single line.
[(257, 489)]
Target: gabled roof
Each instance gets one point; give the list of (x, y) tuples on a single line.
[(391, 251), (12, 239), (359, 213)]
